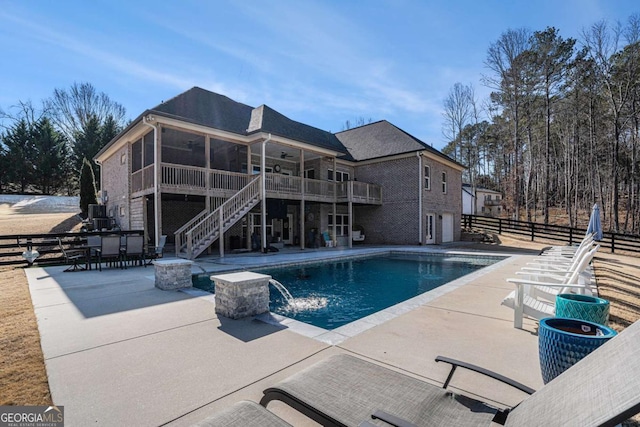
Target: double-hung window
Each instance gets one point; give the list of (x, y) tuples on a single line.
[(342, 224), (444, 182), (427, 177), (340, 176)]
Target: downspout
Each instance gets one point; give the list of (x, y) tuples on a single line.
[(263, 193), (156, 199), (420, 194)]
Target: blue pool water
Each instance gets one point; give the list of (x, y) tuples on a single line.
[(333, 293)]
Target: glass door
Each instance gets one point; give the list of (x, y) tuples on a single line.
[(430, 237)]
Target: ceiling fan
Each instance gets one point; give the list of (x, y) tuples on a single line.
[(284, 155)]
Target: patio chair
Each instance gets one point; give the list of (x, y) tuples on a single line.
[(534, 298), (157, 250), (603, 389), (326, 238), (72, 257), (109, 250), (133, 250), (568, 275)]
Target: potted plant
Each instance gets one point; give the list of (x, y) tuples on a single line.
[(562, 342)]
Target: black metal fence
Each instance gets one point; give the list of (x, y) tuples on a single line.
[(12, 247), (533, 230)]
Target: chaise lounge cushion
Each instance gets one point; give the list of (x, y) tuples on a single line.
[(348, 390)]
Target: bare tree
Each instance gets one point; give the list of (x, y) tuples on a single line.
[(504, 60), (458, 111), (619, 72), (71, 110)]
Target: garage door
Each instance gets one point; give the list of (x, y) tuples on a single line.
[(447, 228)]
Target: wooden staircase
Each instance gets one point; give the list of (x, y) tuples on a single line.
[(197, 235)]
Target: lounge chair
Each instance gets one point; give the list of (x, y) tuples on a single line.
[(534, 298), (603, 389), (568, 251), (357, 236), (244, 414), (579, 273)]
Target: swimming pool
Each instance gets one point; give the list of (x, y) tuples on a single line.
[(331, 294)]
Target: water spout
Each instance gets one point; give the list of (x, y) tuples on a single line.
[(284, 291), (299, 304)]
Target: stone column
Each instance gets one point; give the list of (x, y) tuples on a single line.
[(243, 294), (173, 273)]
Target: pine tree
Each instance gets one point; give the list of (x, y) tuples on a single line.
[(87, 187), (4, 167), (51, 161), (20, 154)]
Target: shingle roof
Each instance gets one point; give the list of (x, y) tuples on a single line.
[(381, 139), (207, 108), (200, 106), (266, 119)]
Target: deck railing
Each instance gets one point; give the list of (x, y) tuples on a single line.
[(201, 181), (188, 177), (224, 180)]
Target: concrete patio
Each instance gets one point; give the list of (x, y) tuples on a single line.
[(118, 351)]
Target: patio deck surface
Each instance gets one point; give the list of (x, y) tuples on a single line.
[(118, 351)]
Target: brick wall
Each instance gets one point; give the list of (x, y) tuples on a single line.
[(396, 221), (115, 179)]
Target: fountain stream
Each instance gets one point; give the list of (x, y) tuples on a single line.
[(284, 291), (299, 304)]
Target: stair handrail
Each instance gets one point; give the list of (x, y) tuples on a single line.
[(211, 222), (180, 232)]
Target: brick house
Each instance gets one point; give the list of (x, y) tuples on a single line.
[(252, 178)]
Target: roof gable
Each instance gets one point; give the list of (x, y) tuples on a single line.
[(266, 119), (381, 139), (207, 108)]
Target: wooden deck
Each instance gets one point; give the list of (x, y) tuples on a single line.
[(217, 183)]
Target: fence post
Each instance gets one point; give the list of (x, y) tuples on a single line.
[(533, 232), (499, 225), (613, 242)]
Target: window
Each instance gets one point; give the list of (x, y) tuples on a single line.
[(310, 174), (427, 177), (342, 224), (444, 182), (340, 176), (255, 169)]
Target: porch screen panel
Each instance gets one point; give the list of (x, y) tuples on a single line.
[(183, 148), (148, 149), (136, 156)]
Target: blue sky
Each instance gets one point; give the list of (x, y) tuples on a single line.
[(318, 62)]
